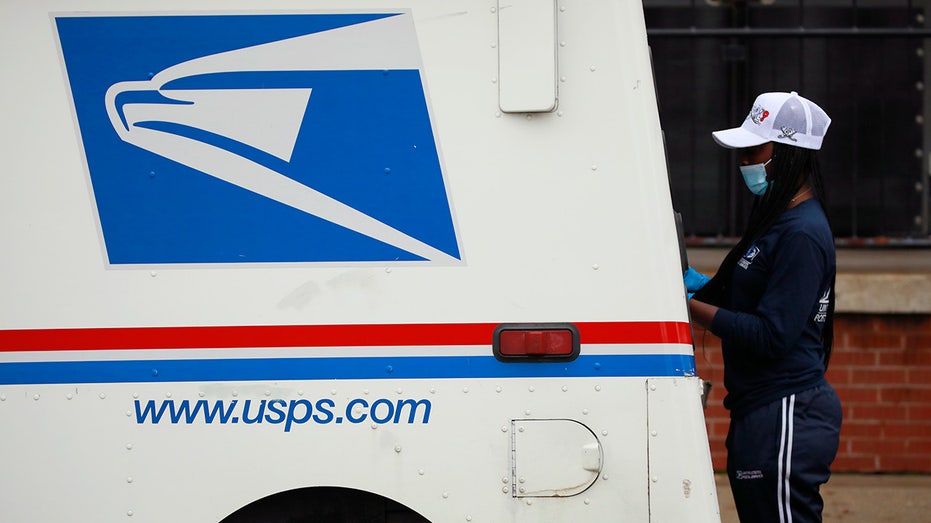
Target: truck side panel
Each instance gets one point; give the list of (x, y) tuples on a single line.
[(259, 248)]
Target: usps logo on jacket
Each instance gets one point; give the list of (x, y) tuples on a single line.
[(748, 257), (259, 138)]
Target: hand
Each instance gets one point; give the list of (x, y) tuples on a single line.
[(694, 280)]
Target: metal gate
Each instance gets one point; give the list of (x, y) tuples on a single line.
[(864, 62)]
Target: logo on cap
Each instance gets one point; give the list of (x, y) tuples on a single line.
[(787, 132), (758, 114)]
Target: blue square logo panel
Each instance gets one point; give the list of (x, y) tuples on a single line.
[(259, 138)]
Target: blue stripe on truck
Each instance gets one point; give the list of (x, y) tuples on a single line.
[(267, 369)]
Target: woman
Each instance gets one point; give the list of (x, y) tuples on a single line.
[(772, 303)]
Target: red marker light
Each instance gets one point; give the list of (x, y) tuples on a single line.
[(536, 342)]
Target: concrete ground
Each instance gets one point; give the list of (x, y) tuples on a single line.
[(860, 498)]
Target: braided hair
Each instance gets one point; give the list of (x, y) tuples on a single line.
[(791, 168)]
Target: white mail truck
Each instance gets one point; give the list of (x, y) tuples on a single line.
[(340, 260)]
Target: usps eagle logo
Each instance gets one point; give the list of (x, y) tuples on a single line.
[(748, 257), (259, 138)]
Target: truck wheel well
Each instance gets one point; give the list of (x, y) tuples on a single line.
[(324, 505)]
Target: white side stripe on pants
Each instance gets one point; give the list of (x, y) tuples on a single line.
[(785, 460)]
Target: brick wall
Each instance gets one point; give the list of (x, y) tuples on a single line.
[(881, 369)]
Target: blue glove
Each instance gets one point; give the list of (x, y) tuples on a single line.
[(694, 280)]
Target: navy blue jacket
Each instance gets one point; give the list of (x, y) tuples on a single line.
[(771, 331)]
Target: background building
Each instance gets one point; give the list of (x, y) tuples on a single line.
[(866, 63)]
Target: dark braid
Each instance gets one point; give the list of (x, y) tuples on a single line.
[(791, 168)]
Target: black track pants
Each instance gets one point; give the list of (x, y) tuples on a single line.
[(779, 455)]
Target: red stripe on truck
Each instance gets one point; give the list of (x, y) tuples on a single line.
[(387, 335)]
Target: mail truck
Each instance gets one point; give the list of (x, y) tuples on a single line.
[(340, 260)]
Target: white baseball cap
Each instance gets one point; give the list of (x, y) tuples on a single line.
[(778, 117)]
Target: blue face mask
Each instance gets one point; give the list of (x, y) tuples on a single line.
[(755, 177)]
